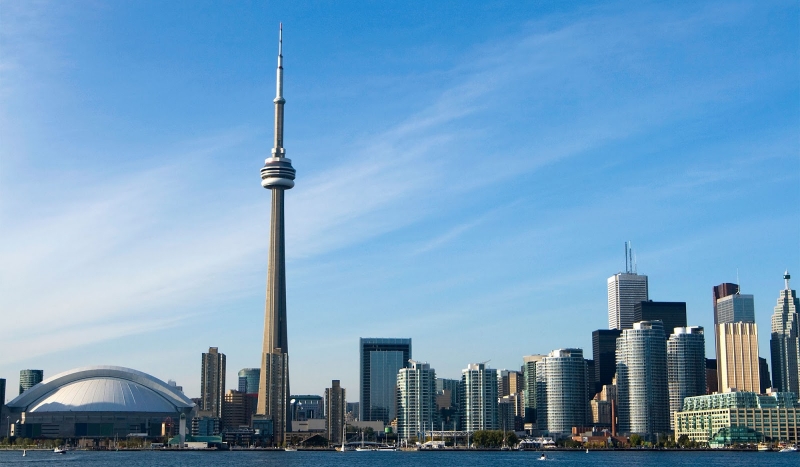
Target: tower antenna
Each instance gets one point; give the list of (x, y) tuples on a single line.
[(738, 284)]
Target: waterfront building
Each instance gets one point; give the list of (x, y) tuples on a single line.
[(335, 410), (724, 419), (212, 382), (566, 398), (625, 290), (416, 400), (737, 362), (785, 341), (479, 398), (381, 360), (686, 366), (100, 402), (277, 175), (604, 354), (642, 389), (671, 314), (448, 403), (529, 363), (249, 379), (205, 426), (307, 407), (29, 379)]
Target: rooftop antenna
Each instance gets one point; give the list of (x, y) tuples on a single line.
[(786, 278), (738, 284), (635, 265), (627, 257)]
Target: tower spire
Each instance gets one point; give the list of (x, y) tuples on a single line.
[(786, 278), (277, 150)]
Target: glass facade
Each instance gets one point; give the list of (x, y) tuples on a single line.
[(29, 379), (785, 341), (249, 379), (566, 396), (381, 359)]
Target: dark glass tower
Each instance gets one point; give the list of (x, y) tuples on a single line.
[(672, 314), (604, 354), (381, 359), (277, 175)]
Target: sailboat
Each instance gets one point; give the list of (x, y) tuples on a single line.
[(362, 448), (344, 440), (24, 452)]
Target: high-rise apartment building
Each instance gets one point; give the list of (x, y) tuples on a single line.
[(277, 175), (479, 398), (604, 354), (671, 314), (416, 400), (306, 407), (785, 341), (566, 398), (381, 360), (249, 379), (29, 379), (686, 366), (737, 363), (625, 290), (642, 389), (212, 382), (529, 363), (336, 409)]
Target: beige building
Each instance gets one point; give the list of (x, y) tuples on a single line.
[(737, 367)]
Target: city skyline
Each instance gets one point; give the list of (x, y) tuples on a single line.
[(133, 230)]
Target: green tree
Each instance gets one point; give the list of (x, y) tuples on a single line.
[(635, 440), (511, 439)]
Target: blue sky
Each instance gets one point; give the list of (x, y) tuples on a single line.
[(466, 175)]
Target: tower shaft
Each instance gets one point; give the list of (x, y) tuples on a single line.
[(277, 175)]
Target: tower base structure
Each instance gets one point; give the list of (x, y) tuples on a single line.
[(273, 391)]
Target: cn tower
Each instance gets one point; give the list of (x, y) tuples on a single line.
[(276, 176)]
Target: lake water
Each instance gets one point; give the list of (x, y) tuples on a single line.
[(399, 459)]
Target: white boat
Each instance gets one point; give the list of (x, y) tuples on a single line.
[(789, 449), (24, 452), (290, 449), (543, 457), (59, 451)]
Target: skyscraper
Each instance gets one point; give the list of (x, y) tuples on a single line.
[(479, 399), (2, 393), (277, 175), (336, 409), (737, 365), (604, 353), (510, 382), (249, 379), (624, 291), (381, 360), (565, 387), (529, 364), (686, 366), (736, 308), (642, 389), (722, 290), (29, 379), (212, 382), (416, 400), (672, 314), (785, 341)]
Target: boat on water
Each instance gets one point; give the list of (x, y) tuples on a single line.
[(24, 452), (789, 449), (764, 447), (59, 450), (290, 449), (543, 457)]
